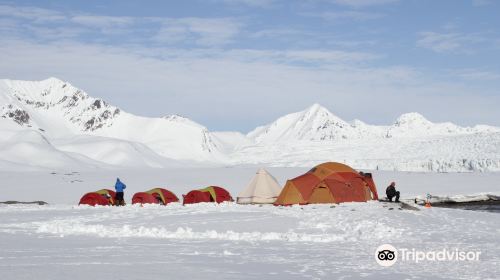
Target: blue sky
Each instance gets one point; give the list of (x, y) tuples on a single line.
[(237, 64)]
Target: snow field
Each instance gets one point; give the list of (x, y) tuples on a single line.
[(230, 241)]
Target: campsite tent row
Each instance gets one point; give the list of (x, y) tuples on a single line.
[(159, 196), (329, 182)]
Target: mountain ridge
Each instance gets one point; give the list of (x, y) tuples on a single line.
[(323, 125), (59, 110), (83, 128)]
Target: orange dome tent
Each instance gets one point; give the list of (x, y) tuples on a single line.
[(155, 196), (100, 197), (329, 182), (208, 194)]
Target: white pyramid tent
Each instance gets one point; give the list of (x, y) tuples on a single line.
[(262, 189)]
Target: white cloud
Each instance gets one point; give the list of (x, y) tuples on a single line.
[(203, 31), (274, 32), (172, 34), (363, 3), (439, 42), (8, 25), (250, 3), (448, 42), (102, 21), (31, 13), (32, 22), (221, 88), (328, 56), (353, 44), (480, 3), (476, 75), (317, 58), (351, 15), (55, 33)]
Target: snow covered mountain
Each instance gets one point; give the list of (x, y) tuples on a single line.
[(69, 119), (316, 123), (411, 143), (414, 124), (319, 124), (52, 124)]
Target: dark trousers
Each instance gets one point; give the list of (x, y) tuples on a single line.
[(396, 195), (119, 199)]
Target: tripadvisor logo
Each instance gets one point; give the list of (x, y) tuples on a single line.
[(387, 255)]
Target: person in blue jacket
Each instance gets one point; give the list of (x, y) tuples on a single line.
[(119, 187)]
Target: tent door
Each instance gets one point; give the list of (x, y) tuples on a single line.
[(321, 194)]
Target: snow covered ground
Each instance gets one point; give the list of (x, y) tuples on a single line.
[(229, 241)]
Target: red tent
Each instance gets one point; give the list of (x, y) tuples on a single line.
[(155, 196), (101, 197), (329, 182), (209, 194), (144, 198)]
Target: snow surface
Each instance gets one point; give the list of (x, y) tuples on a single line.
[(230, 241), (51, 124)]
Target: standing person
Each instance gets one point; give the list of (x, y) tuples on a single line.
[(119, 187), (391, 192)]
